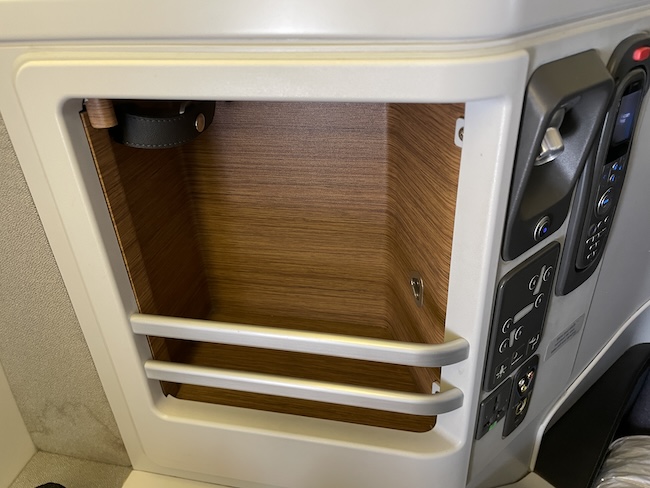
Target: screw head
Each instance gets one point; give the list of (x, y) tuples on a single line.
[(199, 123)]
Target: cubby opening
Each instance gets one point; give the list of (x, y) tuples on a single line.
[(301, 215)]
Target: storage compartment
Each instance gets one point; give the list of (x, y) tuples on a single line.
[(325, 217)]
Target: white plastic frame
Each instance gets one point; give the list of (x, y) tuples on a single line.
[(335, 345), (237, 446)]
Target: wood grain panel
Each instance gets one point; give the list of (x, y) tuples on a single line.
[(151, 212), (291, 212), (305, 408), (302, 215), (423, 180)]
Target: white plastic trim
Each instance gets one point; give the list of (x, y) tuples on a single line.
[(44, 124), (318, 391), (337, 345)]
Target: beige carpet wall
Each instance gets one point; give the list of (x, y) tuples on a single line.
[(42, 349)]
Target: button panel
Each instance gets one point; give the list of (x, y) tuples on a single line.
[(520, 310), (597, 232)]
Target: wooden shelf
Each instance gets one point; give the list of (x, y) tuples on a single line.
[(310, 216)]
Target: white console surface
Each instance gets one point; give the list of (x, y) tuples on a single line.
[(330, 20)]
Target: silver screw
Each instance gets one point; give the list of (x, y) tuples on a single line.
[(461, 133)]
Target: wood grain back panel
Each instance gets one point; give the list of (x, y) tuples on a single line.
[(306, 408), (152, 214), (291, 211)]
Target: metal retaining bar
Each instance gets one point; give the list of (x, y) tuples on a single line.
[(319, 391), (336, 345)]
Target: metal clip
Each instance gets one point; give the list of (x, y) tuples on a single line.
[(417, 285)]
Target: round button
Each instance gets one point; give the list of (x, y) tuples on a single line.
[(506, 326), (533, 282), (518, 333), (548, 273), (539, 300), (605, 176), (612, 178), (504, 345), (542, 228), (593, 229), (604, 202)]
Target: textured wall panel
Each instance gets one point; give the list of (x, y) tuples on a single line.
[(70, 472), (42, 348)]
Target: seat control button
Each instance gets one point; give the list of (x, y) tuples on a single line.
[(542, 228), (604, 202)]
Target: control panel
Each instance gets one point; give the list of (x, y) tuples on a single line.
[(611, 172), (596, 231), (566, 101), (518, 319), (510, 400), (521, 394), (601, 183)]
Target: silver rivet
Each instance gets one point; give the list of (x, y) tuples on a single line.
[(199, 123), (461, 133)]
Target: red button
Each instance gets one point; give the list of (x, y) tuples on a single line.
[(641, 53)]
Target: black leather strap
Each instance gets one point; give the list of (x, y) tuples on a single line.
[(159, 125)]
